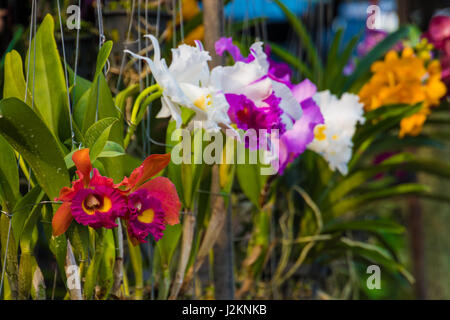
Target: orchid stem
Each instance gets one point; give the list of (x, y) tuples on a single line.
[(139, 108)]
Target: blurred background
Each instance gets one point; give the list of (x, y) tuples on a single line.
[(426, 249)]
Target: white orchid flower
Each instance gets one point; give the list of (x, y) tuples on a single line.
[(333, 139), (186, 82)]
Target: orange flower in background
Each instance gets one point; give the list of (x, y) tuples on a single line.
[(190, 9), (407, 79)]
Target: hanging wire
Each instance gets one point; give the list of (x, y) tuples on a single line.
[(180, 6), (34, 76), (77, 48), (174, 23), (147, 130), (257, 31), (147, 78), (229, 21), (72, 134), (33, 9), (139, 44), (101, 34), (245, 28), (264, 24), (127, 41), (101, 40), (141, 84), (29, 50)]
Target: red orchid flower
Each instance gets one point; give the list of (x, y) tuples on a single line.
[(91, 201), (146, 205), (151, 203)]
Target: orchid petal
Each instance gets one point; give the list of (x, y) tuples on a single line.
[(165, 191), (83, 164), (151, 166), (62, 219), (226, 44), (190, 65), (304, 90)]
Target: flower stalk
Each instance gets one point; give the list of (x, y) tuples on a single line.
[(150, 94)]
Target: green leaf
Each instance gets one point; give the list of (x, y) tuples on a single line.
[(335, 77), (57, 245), (102, 57), (106, 108), (138, 271), (379, 226), (360, 201), (23, 212), (25, 275), (249, 177), (9, 176), (292, 60), (390, 121), (11, 260), (28, 134), (79, 87), (392, 143), (238, 27), (359, 177), (94, 266), (79, 109), (99, 101), (30, 224), (14, 79), (106, 279), (111, 150), (389, 111), (167, 245), (375, 54), (333, 51), (305, 39), (184, 176), (376, 255), (97, 136), (50, 93)]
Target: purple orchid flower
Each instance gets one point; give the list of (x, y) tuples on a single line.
[(269, 99)]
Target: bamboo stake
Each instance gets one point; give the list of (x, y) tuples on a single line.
[(75, 292), (188, 236), (118, 264), (213, 20)]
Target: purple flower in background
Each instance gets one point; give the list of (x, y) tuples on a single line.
[(371, 39), (438, 34), (226, 44), (400, 175)]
